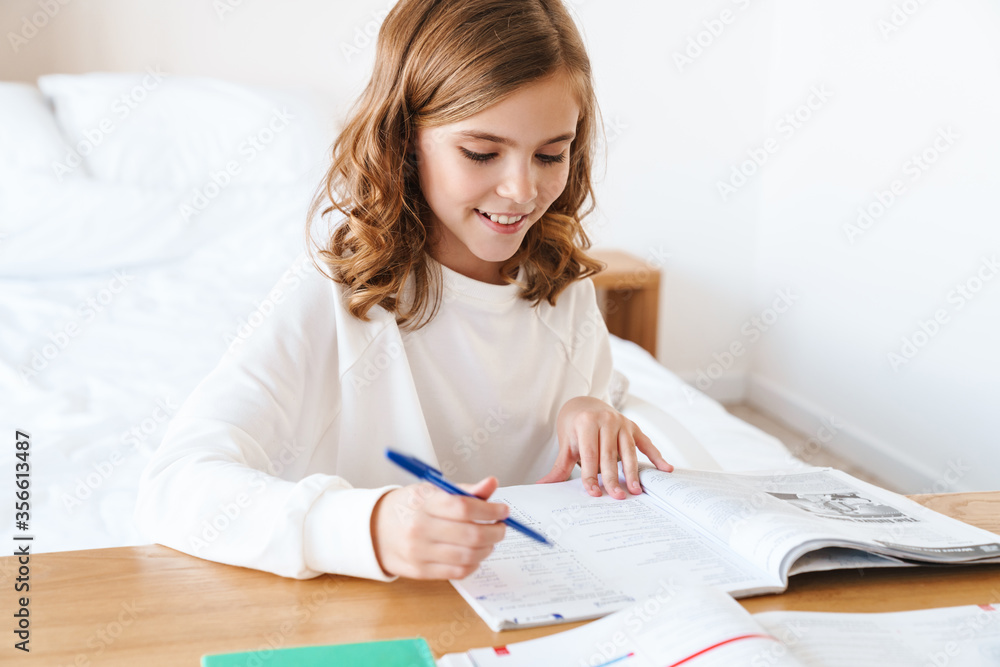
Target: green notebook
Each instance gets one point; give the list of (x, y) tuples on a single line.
[(392, 653)]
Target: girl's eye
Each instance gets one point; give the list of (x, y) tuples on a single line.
[(483, 158), (479, 157), (552, 159)]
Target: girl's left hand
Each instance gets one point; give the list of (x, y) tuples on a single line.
[(598, 436)]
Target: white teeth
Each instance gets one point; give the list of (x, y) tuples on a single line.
[(502, 219)]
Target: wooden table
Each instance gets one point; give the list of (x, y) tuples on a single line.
[(631, 296), (152, 605)]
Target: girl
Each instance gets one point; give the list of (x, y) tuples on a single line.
[(454, 322)]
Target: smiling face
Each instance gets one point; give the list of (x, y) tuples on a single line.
[(509, 161)]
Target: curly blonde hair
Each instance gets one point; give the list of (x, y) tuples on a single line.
[(439, 62)]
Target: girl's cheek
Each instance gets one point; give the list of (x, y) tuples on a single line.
[(555, 187), (473, 182)]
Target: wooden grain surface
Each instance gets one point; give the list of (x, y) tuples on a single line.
[(623, 271), (630, 288), (151, 605)]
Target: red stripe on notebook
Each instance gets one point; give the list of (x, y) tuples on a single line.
[(722, 643)]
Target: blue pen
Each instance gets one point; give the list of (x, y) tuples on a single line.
[(436, 477)]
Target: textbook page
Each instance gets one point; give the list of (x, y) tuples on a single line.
[(773, 518), (967, 636), (605, 554), (865, 513), (666, 629), (839, 558)]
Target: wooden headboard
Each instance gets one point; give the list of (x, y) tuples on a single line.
[(629, 293)]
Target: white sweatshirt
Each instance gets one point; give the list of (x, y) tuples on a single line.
[(276, 459)]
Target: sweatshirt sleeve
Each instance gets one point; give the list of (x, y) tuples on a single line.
[(228, 482)]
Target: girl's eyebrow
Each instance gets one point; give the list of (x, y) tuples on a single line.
[(486, 136)]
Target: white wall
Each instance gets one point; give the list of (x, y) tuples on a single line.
[(931, 421), (766, 298), (678, 129), (684, 124)]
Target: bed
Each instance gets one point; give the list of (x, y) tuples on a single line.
[(143, 221)]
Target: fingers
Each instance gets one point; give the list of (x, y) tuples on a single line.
[(457, 562), (588, 437), (562, 469), (464, 509), (601, 445), (447, 561), (630, 462), (610, 436), (484, 488), (612, 442), (459, 535), (421, 532), (442, 548), (645, 446), (421, 559)]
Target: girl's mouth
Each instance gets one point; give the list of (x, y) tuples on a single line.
[(502, 224)]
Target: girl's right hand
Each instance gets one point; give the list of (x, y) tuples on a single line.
[(422, 532)]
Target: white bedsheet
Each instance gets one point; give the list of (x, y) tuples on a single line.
[(97, 409)]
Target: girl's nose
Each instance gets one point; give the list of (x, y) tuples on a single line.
[(518, 185)]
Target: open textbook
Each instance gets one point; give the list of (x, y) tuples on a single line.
[(676, 626), (743, 533)]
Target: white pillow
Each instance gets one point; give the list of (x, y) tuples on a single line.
[(53, 230), (30, 139), (155, 130)]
